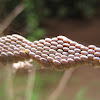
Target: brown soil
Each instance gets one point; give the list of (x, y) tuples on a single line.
[(84, 31)]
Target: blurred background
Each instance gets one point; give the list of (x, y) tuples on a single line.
[(79, 20)]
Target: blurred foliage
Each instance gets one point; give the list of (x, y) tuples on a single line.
[(33, 19), (44, 83), (80, 94), (38, 10), (69, 8)]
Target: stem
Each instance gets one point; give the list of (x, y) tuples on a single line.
[(62, 84), (30, 84), (11, 17), (9, 82)]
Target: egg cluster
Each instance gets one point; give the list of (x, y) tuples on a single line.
[(12, 48), (58, 52)]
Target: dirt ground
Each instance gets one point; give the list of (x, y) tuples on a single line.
[(85, 32)]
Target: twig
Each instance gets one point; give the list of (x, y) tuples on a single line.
[(30, 84), (9, 82), (64, 80), (11, 17)]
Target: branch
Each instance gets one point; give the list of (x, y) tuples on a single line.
[(30, 84), (62, 84), (11, 17), (9, 82)]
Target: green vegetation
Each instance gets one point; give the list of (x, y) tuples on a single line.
[(33, 19), (80, 94), (45, 83)]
